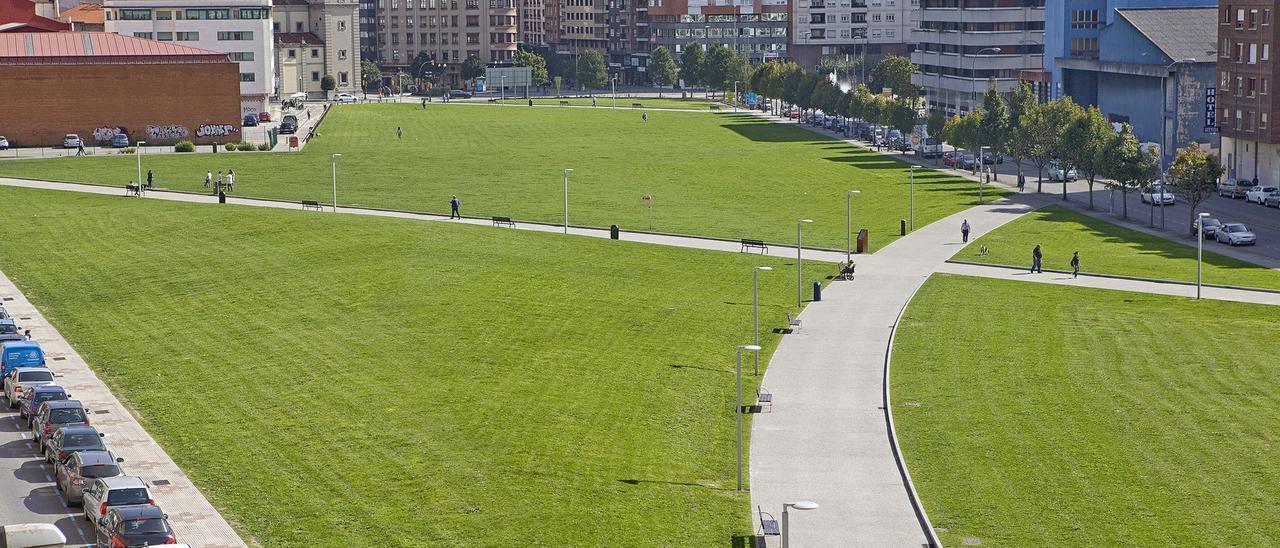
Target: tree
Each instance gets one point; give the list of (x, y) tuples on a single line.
[(537, 65), (472, 68), (1042, 129), (1193, 176), (901, 115), (739, 71), (1084, 145), (369, 75), (1023, 101), (715, 68), (894, 72), (1126, 165), (591, 69), (328, 84), (662, 68), (994, 129), (691, 61)]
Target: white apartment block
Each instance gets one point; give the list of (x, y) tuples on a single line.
[(844, 27), (241, 28), (315, 38)]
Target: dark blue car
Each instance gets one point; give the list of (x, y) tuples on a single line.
[(38, 395)]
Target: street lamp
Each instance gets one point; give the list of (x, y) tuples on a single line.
[(137, 151), (567, 171), (911, 199), (973, 75), (335, 182), (614, 82), (755, 306), (798, 505), (849, 221), (800, 262), (735, 95), (1200, 217), (502, 90), (1164, 112), (982, 168), (756, 349)]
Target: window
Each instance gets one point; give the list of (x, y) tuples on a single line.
[(1240, 18), (143, 35), (1239, 116), (1262, 121), (246, 77), (1084, 48), (1266, 52), (242, 56), (473, 4), (254, 13), (275, 26), (135, 15), (342, 55), (1266, 16), (315, 76), (164, 15), (473, 20), (1253, 54), (188, 36), (1253, 19), (235, 35), (164, 36), (223, 13), (1084, 19), (342, 78), (342, 25), (293, 53), (1264, 86)]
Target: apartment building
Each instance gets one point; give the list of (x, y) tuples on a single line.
[(869, 29), (1245, 102), (369, 30), (961, 44), (315, 38), (241, 28), (449, 31), (755, 28), (533, 22)]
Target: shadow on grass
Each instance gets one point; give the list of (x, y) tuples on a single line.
[(666, 482), (768, 132), (712, 369)]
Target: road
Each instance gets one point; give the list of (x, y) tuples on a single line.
[(27, 494)]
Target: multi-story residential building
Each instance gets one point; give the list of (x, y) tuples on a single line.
[(1072, 29), (755, 28), (369, 30), (964, 43), (449, 31), (241, 28), (869, 29), (1245, 98), (315, 38), (533, 22)]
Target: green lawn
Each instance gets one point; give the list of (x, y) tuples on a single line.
[(1039, 416), (349, 381), (606, 101), (1107, 248), (726, 175)]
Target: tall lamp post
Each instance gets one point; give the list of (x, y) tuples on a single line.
[(755, 307), (848, 210), (1164, 112), (735, 95), (973, 76), (982, 168), (335, 182), (1200, 217), (756, 349), (798, 505), (137, 151), (502, 90), (911, 199), (800, 261), (567, 171)]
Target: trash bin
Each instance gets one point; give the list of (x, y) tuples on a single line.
[(613, 232), (862, 241), (222, 197), (817, 291), (903, 226), (215, 148)]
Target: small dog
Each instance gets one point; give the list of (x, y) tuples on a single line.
[(983, 250)]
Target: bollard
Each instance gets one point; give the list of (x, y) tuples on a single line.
[(817, 291), (903, 227), (613, 232)]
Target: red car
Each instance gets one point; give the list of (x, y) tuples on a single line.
[(949, 159), (792, 113), (264, 116)]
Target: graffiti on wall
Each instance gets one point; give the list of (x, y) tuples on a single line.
[(216, 130), (171, 131), (107, 133)]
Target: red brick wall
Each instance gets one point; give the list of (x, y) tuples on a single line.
[(154, 103)]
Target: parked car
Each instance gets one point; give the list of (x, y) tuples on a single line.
[(1235, 234), (70, 439), (4, 143), (949, 158), (1235, 188), (53, 415), (346, 98), (20, 354), (120, 140), (965, 161), (9, 330), (71, 140), (1258, 194), (264, 116), (930, 148), (1157, 194), (31, 535), (249, 120), (106, 493), (24, 378), (1226, 187), (73, 474), (130, 526), (289, 124), (1272, 200), (992, 158), (4, 314), (1209, 226), (792, 113), (1058, 173), (31, 400), (459, 94)]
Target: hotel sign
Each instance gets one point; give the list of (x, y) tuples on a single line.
[(1210, 110)]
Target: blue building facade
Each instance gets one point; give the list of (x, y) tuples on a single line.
[(1073, 28)]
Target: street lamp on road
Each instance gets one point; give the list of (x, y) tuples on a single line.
[(755, 307), (800, 261), (1200, 217), (756, 349), (567, 171), (798, 505), (335, 182), (614, 82), (849, 221), (735, 95), (973, 75), (911, 199), (982, 168)]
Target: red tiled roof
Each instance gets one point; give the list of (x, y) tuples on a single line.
[(87, 13), (77, 48), (20, 16), (297, 38)]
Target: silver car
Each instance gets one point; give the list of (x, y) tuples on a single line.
[(75, 473), (106, 493), (24, 378), (1235, 234)]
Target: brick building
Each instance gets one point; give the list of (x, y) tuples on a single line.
[(153, 91), (1245, 101)]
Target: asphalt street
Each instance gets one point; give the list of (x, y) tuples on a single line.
[(27, 492)]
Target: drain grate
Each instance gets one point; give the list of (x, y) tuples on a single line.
[(101, 412), (60, 358), (25, 318), (160, 482), (8, 298)]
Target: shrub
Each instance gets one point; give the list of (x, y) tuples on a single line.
[(245, 146), (128, 150), (184, 146), (264, 146), (229, 147)]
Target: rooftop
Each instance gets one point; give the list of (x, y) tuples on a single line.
[(80, 48), (1181, 33), (20, 16), (297, 38), (86, 13)]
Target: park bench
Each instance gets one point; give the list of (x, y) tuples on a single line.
[(311, 204), (846, 270), (793, 323), (764, 397), (133, 190), (564, 103), (636, 105), (749, 244), (715, 107), (503, 221), (768, 525)]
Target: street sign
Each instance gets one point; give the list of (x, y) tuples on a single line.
[(1210, 110)]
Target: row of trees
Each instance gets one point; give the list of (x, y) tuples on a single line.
[(787, 82)]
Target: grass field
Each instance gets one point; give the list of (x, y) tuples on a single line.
[(354, 381), (1040, 416), (606, 101), (726, 175), (1106, 248)]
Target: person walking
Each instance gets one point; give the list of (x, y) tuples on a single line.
[(593, 101), (399, 133), (231, 180), (217, 185), (150, 180), (1036, 257), (644, 116), (424, 103), (80, 149), (964, 230), (1075, 264), (1022, 182), (208, 178), (453, 208)]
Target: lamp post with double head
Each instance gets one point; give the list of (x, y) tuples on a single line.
[(800, 261), (973, 76), (738, 412)]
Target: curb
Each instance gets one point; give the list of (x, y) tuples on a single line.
[(1122, 277)]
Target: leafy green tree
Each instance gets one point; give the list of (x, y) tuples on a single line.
[(328, 84), (894, 72), (862, 104), (472, 68), (662, 68), (993, 129), (934, 123), (691, 62), (537, 65), (1042, 129), (901, 115), (715, 68), (1023, 101), (1193, 176), (1126, 165), (1084, 145), (369, 75), (591, 69), (739, 70)]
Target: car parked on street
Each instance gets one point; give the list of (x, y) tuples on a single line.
[(9, 330), (71, 140), (1157, 194), (4, 143), (1235, 234), (264, 116), (120, 140), (70, 439), (249, 120), (130, 526), (1235, 188), (1272, 200), (20, 354), (949, 158), (53, 415), (289, 124), (1209, 226), (1057, 172), (31, 400), (1258, 194), (24, 378), (106, 493), (458, 94), (346, 98), (965, 161), (73, 474)]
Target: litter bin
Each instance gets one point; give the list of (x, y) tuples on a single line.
[(903, 226), (817, 291), (222, 197), (862, 241), (215, 148), (613, 232)]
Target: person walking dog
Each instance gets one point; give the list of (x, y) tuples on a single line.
[(964, 230), (1036, 257)]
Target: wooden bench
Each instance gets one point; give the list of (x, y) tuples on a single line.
[(564, 103), (715, 107), (846, 271), (311, 204), (503, 221), (793, 323), (764, 397), (749, 244), (637, 105), (133, 190), (768, 525)]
